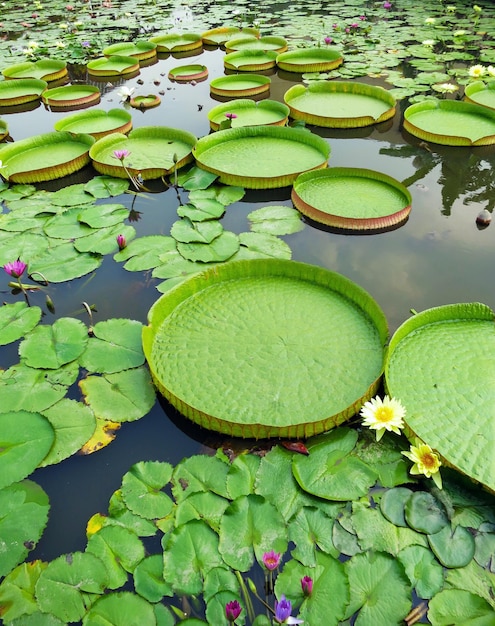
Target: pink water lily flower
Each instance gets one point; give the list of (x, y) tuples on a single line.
[(15, 268), (271, 560), (232, 611), (121, 154)]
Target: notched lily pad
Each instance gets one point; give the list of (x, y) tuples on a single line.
[(52, 346), (16, 320)]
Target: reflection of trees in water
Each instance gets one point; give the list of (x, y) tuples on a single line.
[(464, 172)]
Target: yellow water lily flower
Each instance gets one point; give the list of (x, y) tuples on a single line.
[(382, 415), (425, 462), (477, 71)]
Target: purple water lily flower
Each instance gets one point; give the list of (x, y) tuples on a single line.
[(283, 610), (328, 40), (15, 268), (232, 611)]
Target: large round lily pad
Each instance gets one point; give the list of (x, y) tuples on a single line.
[(72, 96), (45, 69), (351, 198), (138, 49), (451, 123), (151, 152), (441, 366), (482, 93), (340, 104), (240, 85), (45, 157), (96, 122), (116, 65), (246, 112), (266, 348), (188, 73), (177, 42), (15, 92), (261, 157), (251, 42), (250, 60), (310, 60), (219, 36)]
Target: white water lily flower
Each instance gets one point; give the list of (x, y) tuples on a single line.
[(382, 415), (490, 70), (477, 71), (459, 33), (60, 44), (125, 93), (429, 43), (430, 20), (446, 87)]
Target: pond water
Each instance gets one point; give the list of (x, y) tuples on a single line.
[(439, 256)]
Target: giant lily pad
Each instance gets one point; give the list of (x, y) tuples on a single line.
[(481, 93), (45, 157), (72, 96), (97, 122), (187, 73), (138, 49), (45, 69), (4, 130), (177, 42), (115, 65), (15, 92), (249, 113), (152, 150), (310, 60), (451, 122), (239, 85), (250, 60), (351, 198), (219, 36), (251, 42), (441, 366), (302, 348), (261, 157), (340, 104)]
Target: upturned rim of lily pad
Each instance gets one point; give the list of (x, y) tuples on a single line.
[(244, 41), (240, 85), (141, 50), (21, 91), (277, 155), (266, 112), (250, 60), (96, 122), (187, 73), (273, 397), (4, 129), (313, 59), (218, 36), (481, 93), (45, 157), (450, 122), (48, 70), (145, 102), (71, 96), (340, 104), (349, 198), (177, 42), (433, 367), (115, 65)]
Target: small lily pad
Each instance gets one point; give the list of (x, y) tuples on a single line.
[(453, 547), (425, 513), (142, 489), (16, 320)]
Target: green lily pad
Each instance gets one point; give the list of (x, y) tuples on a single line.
[(277, 155), (15, 92), (115, 65), (96, 123), (457, 606), (63, 263), (17, 590), (52, 346), (392, 505), (248, 113), (448, 352), (250, 60), (252, 42), (218, 36), (71, 96), (16, 320), (63, 585), (201, 210), (275, 220), (223, 247), (26, 439), (121, 397), (453, 547), (423, 570), (188, 73), (177, 42), (482, 93), (186, 231), (122, 608), (24, 507), (310, 60), (253, 296), (104, 240), (144, 253), (138, 49), (48, 70), (240, 85), (425, 513), (45, 157), (142, 489), (148, 579)]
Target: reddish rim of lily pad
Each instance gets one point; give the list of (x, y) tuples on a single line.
[(145, 102)]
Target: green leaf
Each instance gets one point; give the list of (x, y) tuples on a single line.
[(242, 474), (250, 527), (485, 549), (73, 424), (25, 440), (308, 530), (199, 473), (220, 249), (202, 209), (392, 505), (185, 231), (225, 194), (453, 547), (104, 240), (64, 585), (142, 489), (144, 253), (174, 265), (52, 346), (423, 570), (425, 513), (119, 549), (195, 178), (455, 606), (276, 220), (114, 346), (345, 541), (220, 579), (103, 215), (63, 263), (122, 397), (17, 590), (120, 514), (66, 225), (16, 320), (72, 195), (191, 551), (473, 578), (29, 389), (106, 186), (265, 245), (23, 515), (215, 609), (206, 506), (148, 579), (120, 609), (380, 590)]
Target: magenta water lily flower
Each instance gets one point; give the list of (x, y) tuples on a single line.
[(121, 242), (387, 5), (232, 611), (15, 268), (271, 560), (121, 154), (328, 40), (230, 116), (307, 585), (283, 610)]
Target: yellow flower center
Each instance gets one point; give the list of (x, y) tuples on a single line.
[(384, 414), (429, 460)]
